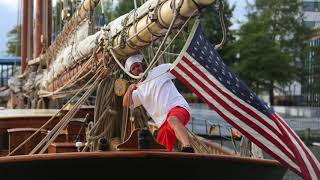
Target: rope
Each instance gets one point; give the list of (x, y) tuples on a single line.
[(68, 118), (224, 31), (105, 121), (136, 77), (49, 121), (196, 143), (155, 58), (71, 112), (76, 78)]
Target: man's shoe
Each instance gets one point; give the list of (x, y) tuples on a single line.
[(187, 149)]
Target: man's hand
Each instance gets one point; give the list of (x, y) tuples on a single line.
[(132, 87), (127, 98)]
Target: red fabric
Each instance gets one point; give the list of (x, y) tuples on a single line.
[(166, 135)]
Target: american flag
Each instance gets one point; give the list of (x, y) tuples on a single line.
[(202, 70)]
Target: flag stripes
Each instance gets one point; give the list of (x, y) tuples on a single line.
[(180, 72), (202, 70)]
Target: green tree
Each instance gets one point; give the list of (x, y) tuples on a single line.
[(271, 45), (14, 41), (125, 6)]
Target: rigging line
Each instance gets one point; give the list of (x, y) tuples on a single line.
[(198, 140), (51, 132), (66, 119), (223, 26), (74, 79), (138, 77), (136, 34), (72, 114), (98, 122), (155, 58), (49, 121), (135, 4)]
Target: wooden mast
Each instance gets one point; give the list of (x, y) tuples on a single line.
[(30, 32), (38, 28), (49, 23), (24, 35)]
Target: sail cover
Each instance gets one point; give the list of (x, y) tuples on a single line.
[(202, 70)]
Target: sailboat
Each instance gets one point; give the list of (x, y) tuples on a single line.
[(78, 64)]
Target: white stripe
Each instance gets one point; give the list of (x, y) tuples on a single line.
[(202, 69), (241, 124), (301, 151), (235, 107), (312, 155)]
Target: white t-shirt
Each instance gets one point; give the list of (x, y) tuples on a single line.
[(159, 94)]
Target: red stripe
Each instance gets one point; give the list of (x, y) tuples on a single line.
[(301, 163), (236, 113), (302, 145), (265, 148), (244, 108)]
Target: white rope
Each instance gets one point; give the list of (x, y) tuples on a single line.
[(66, 119), (121, 66), (50, 120), (154, 60), (223, 26)]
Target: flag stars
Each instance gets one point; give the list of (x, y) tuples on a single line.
[(195, 48), (193, 55)]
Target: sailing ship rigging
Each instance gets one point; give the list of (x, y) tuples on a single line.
[(83, 61)]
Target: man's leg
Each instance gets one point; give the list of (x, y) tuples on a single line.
[(174, 128), (179, 130)]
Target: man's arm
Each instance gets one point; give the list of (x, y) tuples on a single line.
[(169, 74), (127, 98)]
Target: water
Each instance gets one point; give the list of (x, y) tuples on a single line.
[(298, 118)]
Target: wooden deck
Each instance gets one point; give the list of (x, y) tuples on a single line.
[(19, 121)]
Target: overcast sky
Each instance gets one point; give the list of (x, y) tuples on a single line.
[(9, 18)]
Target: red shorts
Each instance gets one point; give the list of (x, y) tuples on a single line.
[(166, 135)]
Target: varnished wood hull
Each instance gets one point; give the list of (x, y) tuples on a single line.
[(137, 165)]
